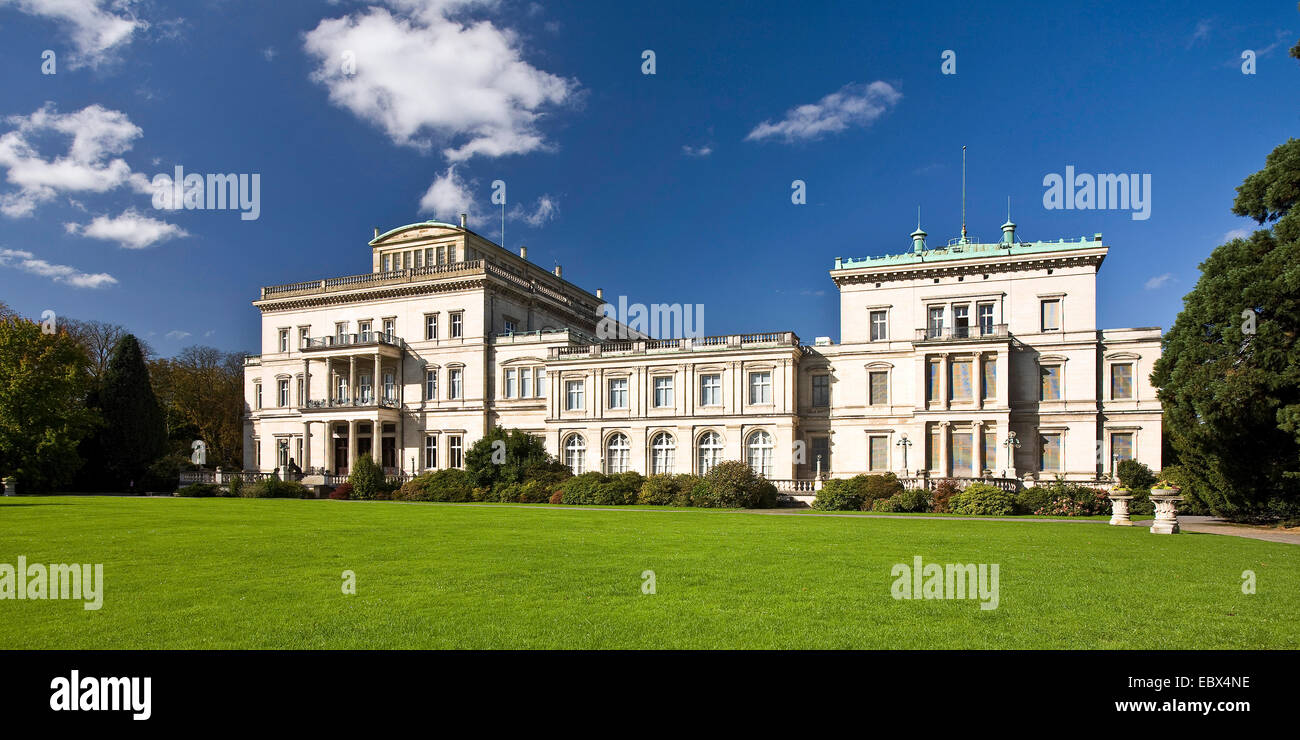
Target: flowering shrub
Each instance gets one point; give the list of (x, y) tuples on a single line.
[(1071, 499), (941, 498), (342, 492)]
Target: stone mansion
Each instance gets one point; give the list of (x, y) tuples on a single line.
[(966, 360)]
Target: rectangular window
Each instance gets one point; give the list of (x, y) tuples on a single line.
[(284, 340), (962, 385), (1121, 381), (419, 259), (936, 439), (985, 314), (932, 381), (760, 388), (711, 390), (961, 455), (283, 393), (388, 263), (990, 385), (428, 257), (457, 325), (451, 253), (431, 326), (1052, 314), (821, 391), (1051, 388), (509, 390), (1051, 452), (257, 453), (430, 385), (454, 383), (878, 326), (541, 382), (304, 336), (363, 331), (573, 395), (878, 387), (990, 442), (525, 382), (508, 326), (1121, 447), (934, 326), (821, 450), (257, 395), (430, 452), (341, 332), (455, 458), (961, 321), (341, 387), (618, 393), (878, 452), (390, 328), (663, 392), (299, 390), (390, 387)]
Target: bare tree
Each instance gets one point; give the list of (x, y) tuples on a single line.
[(98, 339)]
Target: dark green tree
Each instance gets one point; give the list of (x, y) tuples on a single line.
[(134, 434), (1229, 375), (512, 456), (43, 411)]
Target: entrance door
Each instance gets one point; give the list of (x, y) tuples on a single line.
[(340, 456), (388, 452), (364, 446)]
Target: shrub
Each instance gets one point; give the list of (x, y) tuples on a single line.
[(1135, 476), (450, 484), (234, 488), (534, 492), (620, 489), (1069, 499), (941, 498), (557, 497), (511, 456), (733, 485), (1033, 500), (198, 490), (342, 492), (841, 494), (659, 490), (580, 490), (885, 505), (686, 486), (275, 488), (982, 499), (916, 500), (506, 493), (366, 478)]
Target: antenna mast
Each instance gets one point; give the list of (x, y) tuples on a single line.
[(963, 193)]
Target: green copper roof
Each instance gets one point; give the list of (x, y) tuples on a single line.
[(417, 224), (966, 251)]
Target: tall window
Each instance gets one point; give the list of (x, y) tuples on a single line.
[(282, 393), (663, 391), (340, 388), (663, 449), (710, 451), (431, 451), (364, 390), (618, 393), (878, 387), (932, 381), (541, 382), (1121, 446), (304, 336), (573, 400), (760, 387), (961, 381), (341, 332), (990, 384), (457, 325), (526, 382), (760, 453), (821, 391), (455, 451), (961, 321), (431, 326), (299, 387), (430, 385), (390, 386), (711, 390), (962, 451), (390, 328), (936, 445), (990, 442), (257, 395), (509, 390), (616, 454), (1051, 386), (1121, 381), (575, 454), (878, 326), (455, 377), (508, 327), (1051, 311), (934, 327), (878, 452), (388, 263), (821, 448), (985, 313), (284, 340), (363, 331), (1051, 452)]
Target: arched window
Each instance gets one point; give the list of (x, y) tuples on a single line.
[(575, 454), (710, 451), (663, 450), (616, 454), (760, 453)]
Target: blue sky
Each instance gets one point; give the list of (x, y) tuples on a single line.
[(672, 187)]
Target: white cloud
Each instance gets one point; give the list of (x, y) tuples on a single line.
[(66, 274), (1242, 233), (89, 165), (176, 334), (97, 27), (447, 196), (851, 105), (131, 229), (545, 209), (269, 53), (1201, 32), (426, 78), (703, 150), (1159, 281)]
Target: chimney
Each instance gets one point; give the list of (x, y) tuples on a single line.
[(600, 293), (918, 239), (464, 218), (376, 232), (558, 273), (1008, 233), (523, 251)]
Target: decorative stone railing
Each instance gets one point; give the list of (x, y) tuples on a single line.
[(1010, 485), (687, 344), (356, 339), (961, 333), (350, 403), (791, 485)]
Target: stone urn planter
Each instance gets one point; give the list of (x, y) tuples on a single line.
[(1119, 498), (1165, 498), (11, 486)]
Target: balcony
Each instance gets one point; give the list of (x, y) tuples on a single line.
[(668, 346), (359, 339), (365, 402), (962, 333)]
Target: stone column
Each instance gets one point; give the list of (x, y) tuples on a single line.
[(352, 389), (375, 388), (306, 444), (306, 384), (328, 453), (943, 444), (944, 375), (352, 443), (977, 449)]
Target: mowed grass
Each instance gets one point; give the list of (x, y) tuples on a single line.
[(247, 573)]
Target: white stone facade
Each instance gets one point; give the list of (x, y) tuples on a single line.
[(952, 348)]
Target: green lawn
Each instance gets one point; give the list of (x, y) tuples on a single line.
[(250, 573)]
